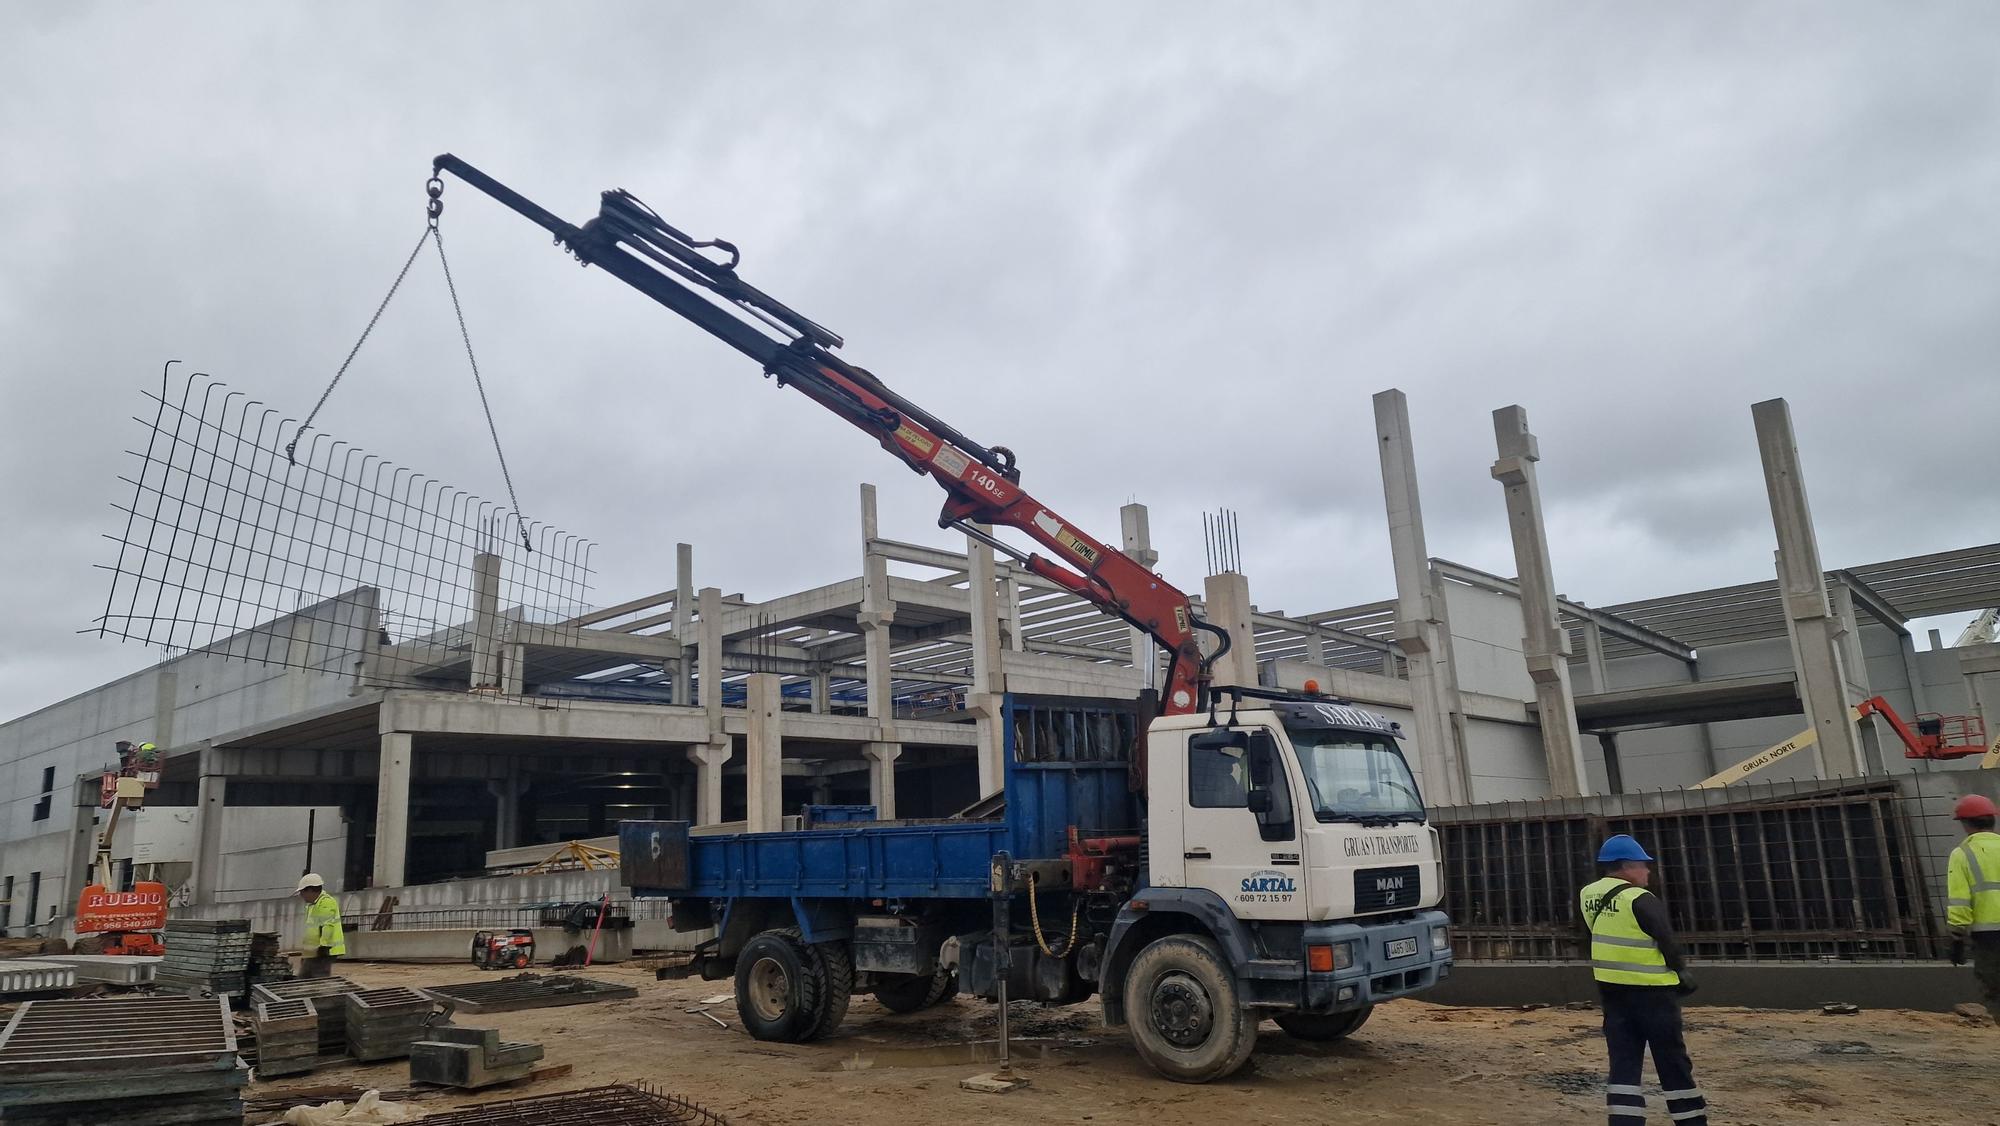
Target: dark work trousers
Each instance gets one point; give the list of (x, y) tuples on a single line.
[(315, 965), (1637, 1017), (1986, 967)]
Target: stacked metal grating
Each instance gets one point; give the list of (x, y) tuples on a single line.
[(267, 958), (621, 1105), (528, 991), (325, 993), (383, 1023), (207, 955), (470, 1058), (287, 1037), (24, 976), (132, 1060)]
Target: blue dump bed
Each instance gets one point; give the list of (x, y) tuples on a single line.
[(1068, 765)]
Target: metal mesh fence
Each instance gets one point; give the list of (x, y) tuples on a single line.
[(1846, 869), (329, 559)]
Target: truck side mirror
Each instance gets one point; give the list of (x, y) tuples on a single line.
[(1260, 802)]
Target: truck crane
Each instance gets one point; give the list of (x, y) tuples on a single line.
[(1242, 853)]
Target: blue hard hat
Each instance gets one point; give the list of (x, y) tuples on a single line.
[(1621, 847)]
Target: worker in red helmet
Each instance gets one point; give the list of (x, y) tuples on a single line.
[(1972, 896)]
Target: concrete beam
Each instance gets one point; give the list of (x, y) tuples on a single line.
[(1871, 600), (1612, 624), (1545, 644), (582, 720), (392, 811), (1436, 709), (1822, 666)]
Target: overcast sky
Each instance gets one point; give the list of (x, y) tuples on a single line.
[(1164, 252)]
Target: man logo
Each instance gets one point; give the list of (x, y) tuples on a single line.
[(1389, 883)]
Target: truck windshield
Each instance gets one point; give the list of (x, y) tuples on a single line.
[(1351, 776)]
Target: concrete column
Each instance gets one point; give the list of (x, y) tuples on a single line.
[(709, 652), (1420, 629), (989, 681), (1546, 642), (211, 801), (513, 670), (1802, 586), (1226, 599), (1010, 616), (764, 750), (822, 692), (166, 697), (485, 622), (506, 791), (708, 761), (882, 777), (1593, 655), (683, 624), (80, 870), (392, 811), (878, 611), (1137, 526)]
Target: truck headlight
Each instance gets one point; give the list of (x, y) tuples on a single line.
[(1322, 959), (1440, 938)]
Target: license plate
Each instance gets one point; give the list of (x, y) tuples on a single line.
[(1402, 947)]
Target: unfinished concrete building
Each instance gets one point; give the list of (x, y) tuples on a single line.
[(473, 747)]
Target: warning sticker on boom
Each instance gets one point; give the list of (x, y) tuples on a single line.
[(922, 443)]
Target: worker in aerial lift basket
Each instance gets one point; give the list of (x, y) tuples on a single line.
[(324, 940), (1972, 896), (1641, 978)]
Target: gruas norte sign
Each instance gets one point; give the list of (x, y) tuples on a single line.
[(144, 908)]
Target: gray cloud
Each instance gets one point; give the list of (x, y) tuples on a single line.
[(1164, 252)]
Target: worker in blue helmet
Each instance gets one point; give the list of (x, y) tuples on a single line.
[(1641, 978)]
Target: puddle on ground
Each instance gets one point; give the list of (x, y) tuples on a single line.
[(944, 1055)]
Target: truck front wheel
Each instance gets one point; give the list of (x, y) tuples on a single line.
[(1186, 1017), (779, 988), (1324, 1027)]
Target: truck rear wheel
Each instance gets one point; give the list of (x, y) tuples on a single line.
[(835, 963), (780, 989), (908, 993), (1324, 1027), (1185, 1013)]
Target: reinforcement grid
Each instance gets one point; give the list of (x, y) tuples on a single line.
[(338, 561), (1819, 870), (622, 1105)]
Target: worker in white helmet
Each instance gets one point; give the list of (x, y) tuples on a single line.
[(324, 940)]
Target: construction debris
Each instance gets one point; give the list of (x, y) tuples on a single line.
[(136, 1061), (368, 1110), (470, 1058), (207, 955), (35, 977), (622, 1105), (287, 1036), (325, 993), (528, 991), (381, 1024)]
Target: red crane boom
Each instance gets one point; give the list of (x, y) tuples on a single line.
[(629, 241)]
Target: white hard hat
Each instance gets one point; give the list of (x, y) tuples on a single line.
[(310, 880)]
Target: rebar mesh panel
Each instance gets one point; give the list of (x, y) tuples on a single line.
[(340, 562), (622, 1105)]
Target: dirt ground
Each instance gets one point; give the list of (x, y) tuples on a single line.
[(1412, 1063)]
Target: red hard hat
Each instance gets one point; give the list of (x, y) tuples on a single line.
[(1973, 805)]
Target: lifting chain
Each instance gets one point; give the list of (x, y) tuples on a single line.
[(433, 188), (1035, 917)]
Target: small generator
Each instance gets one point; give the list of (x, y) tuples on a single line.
[(503, 950)]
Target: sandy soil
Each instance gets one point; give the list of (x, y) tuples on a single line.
[(1412, 1063)]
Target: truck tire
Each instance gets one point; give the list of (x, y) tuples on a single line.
[(835, 962), (908, 993), (780, 989), (1324, 1027), (1186, 1016)]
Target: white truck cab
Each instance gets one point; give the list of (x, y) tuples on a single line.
[(1286, 841)]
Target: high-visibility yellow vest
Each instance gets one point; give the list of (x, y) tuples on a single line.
[(1621, 952), (323, 925), (1972, 887)]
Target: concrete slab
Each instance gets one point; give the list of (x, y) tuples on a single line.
[(35, 976), (114, 969)]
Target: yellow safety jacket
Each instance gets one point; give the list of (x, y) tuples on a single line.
[(323, 925), (1972, 886), (1621, 952)]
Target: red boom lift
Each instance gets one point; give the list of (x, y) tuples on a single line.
[(1936, 736)]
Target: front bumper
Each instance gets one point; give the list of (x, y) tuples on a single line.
[(1374, 977)]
